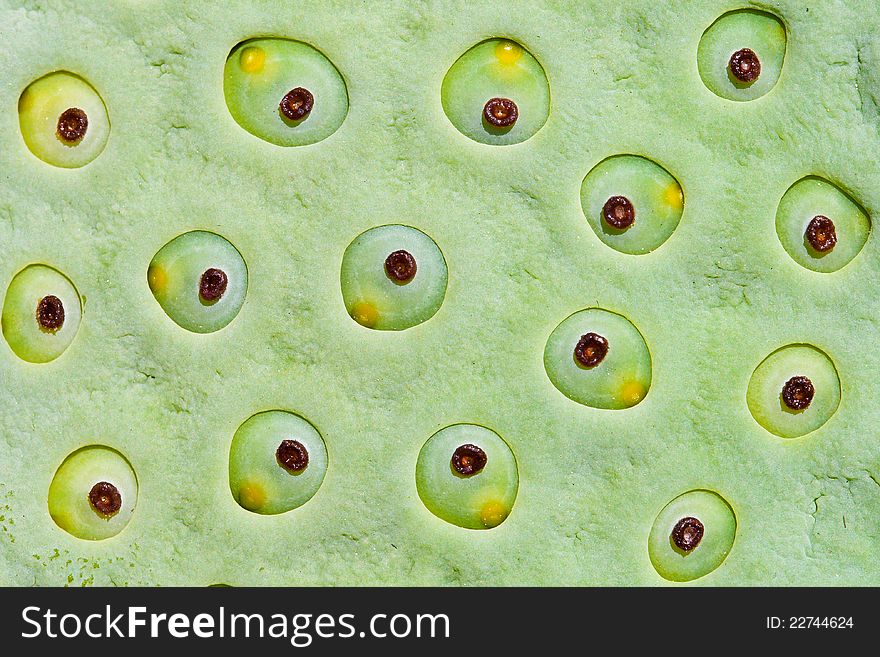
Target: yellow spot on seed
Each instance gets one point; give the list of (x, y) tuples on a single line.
[(508, 52), (252, 59), (157, 278), (632, 392), (493, 514), (251, 496), (673, 196), (365, 314)]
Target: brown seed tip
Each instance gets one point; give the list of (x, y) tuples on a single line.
[(821, 233), (297, 103), (468, 460), (50, 313), (500, 112), (292, 455), (797, 393), (400, 266), (105, 499), (687, 534), (72, 125), (744, 65), (619, 212), (591, 349), (212, 284)]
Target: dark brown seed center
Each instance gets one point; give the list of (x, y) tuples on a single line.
[(468, 460), (292, 455), (687, 534), (400, 266), (50, 313), (297, 103), (212, 284), (72, 125), (821, 233), (105, 499), (744, 65), (591, 349), (500, 112), (797, 393), (619, 212)]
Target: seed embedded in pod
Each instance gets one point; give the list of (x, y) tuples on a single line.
[(292, 455), (745, 66), (619, 212), (50, 313), (401, 266), (591, 349), (72, 125), (297, 103), (798, 392), (105, 499), (821, 233), (468, 460), (501, 112), (687, 534)]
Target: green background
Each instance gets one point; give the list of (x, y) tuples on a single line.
[(712, 302)]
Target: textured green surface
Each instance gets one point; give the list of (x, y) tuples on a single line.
[(711, 302)]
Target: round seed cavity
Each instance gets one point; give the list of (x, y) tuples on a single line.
[(378, 278), (619, 212), (477, 487), (297, 103), (501, 112), (63, 120), (692, 536), (200, 280), (50, 313), (496, 93), (798, 392), (624, 378), (93, 493), (292, 455), (740, 56), (42, 312), (270, 477), (821, 233), (687, 534), (468, 460), (744, 65), (212, 284), (270, 86), (794, 391), (401, 266), (105, 499), (614, 188), (591, 349), (72, 125), (807, 232)]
